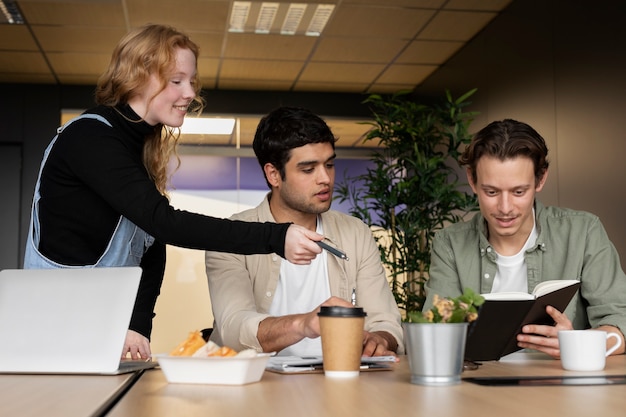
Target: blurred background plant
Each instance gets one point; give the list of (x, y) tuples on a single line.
[(413, 187)]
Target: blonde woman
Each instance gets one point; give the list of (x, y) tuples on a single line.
[(101, 200)]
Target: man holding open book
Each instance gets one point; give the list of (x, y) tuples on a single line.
[(516, 243)]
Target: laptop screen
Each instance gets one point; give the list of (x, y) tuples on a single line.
[(65, 320)]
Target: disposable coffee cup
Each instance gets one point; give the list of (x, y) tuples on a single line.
[(342, 340)]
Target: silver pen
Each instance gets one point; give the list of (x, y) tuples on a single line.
[(332, 250), (353, 298)]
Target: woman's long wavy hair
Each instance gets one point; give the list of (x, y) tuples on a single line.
[(148, 50)]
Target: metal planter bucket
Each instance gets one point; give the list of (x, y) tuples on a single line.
[(435, 352)]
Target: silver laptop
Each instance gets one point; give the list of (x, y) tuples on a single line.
[(67, 320)]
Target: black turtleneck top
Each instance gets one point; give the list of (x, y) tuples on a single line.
[(94, 174)]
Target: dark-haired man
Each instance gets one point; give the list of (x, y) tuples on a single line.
[(264, 303)]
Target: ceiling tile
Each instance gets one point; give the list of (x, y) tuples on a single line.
[(493, 5), (79, 64), (26, 62), (256, 69), (372, 50), (210, 44), (16, 38), (335, 87), (84, 39), (406, 74), (455, 26), (83, 13), (340, 72), (429, 52), (187, 15), (253, 46), (390, 88), (426, 4), (394, 22), (259, 85)]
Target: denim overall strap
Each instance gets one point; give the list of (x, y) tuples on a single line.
[(126, 247)]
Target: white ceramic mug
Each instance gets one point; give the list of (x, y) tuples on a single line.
[(585, 350)]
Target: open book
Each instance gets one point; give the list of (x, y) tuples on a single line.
[(502, 316)]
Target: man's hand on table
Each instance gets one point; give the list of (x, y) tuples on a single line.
[(379, 344)]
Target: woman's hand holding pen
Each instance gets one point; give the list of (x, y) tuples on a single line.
[(300, 246)]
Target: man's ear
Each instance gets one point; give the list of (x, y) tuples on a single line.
[(272, 175), (541, 182)]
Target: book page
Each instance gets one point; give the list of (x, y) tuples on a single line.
[(553, 285), (495, 296), (541, 289)]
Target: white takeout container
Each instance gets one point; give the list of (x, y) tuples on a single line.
[(231, 370)]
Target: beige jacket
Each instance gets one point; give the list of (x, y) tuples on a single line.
[(242, 286)]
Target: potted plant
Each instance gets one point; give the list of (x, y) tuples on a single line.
[(413, 188), (435, 339)]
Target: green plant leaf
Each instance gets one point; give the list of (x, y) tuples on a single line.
[(413, 188)]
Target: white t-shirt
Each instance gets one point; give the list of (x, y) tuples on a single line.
[(511, 273), (301, 288)]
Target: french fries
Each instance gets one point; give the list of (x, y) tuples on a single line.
[(195, 346)]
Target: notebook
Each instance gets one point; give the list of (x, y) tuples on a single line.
[(314, 364), (67, 320)]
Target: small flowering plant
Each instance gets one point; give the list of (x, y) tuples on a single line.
[(450, 310)]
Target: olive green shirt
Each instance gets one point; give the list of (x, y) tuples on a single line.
[(570, 245)]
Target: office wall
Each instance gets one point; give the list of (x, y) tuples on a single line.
[(10, 169), (29, 117), (560, 66)]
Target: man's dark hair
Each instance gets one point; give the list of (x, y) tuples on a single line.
[(507, 139), (284, 129)]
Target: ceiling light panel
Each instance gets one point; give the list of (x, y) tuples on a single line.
[(207, 125), (266, 17), (320, 18), (294, 16), (10, 13), (279, 18), (239, 16)]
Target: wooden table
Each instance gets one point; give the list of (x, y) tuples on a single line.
[(383, 393), (60, 395)]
